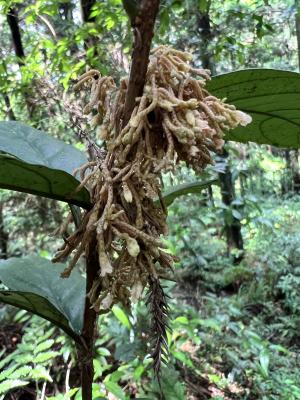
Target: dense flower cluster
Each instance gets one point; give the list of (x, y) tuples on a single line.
[(174, 120)]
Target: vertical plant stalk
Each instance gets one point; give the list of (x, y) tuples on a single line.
[(13, 22), (143, 34), (144, 27), (86, 349)]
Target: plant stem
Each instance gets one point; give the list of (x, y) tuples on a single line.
[(143, 32), (144, 27), (86, 350)]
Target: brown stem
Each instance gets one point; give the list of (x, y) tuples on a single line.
[(86, 350), (143, 33), (144, 26)]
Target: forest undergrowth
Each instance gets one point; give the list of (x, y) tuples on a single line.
[(234, 327)]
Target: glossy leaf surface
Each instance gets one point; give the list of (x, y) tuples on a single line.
[(271, 97), (33, 162), (34, 284)]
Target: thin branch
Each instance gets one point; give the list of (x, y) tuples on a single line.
[(48, 24)]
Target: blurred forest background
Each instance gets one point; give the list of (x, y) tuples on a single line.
[(235, 306)]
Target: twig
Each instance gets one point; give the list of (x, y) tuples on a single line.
[(43, 391), (67, 384)]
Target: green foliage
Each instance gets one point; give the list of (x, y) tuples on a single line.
[(270, 97), (235, 328), (34, 284), (169, 195), (39, 164), (33, 358)]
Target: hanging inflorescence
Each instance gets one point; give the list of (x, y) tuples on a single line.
[(174, 120)]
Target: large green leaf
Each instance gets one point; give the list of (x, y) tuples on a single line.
[(33, 162), (34, 283), (180, 190), (271, 97)]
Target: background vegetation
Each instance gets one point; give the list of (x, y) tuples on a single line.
[(235, 306)]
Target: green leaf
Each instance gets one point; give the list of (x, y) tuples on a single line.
[(264, 361), (181, 356), (11, 384), (122, 317), (35, 285), (203, 6), (171, 385), (15, 372), (115, 389), (169, 195), (45, 345), (127, 352), (181, 320), (271, 97), (41, 358), (33, 162)]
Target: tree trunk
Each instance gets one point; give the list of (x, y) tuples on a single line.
[(86, 9), (66, 10), (233, 230), (291, 179), (10, 111), (205, 33), (294, 156), (3, 235), (13, 22)]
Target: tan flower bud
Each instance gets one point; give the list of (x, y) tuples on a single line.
[(127, 193), (132, 247)]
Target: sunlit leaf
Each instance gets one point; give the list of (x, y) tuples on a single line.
[(122, 317), (271, 97)]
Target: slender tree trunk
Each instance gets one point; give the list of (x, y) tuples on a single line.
[(291, 180), (13, 22), (286, 180), (294, 156), (10, 111), (65, 9), (205, 33), (86, 9), (233, 230), (3, 235)]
